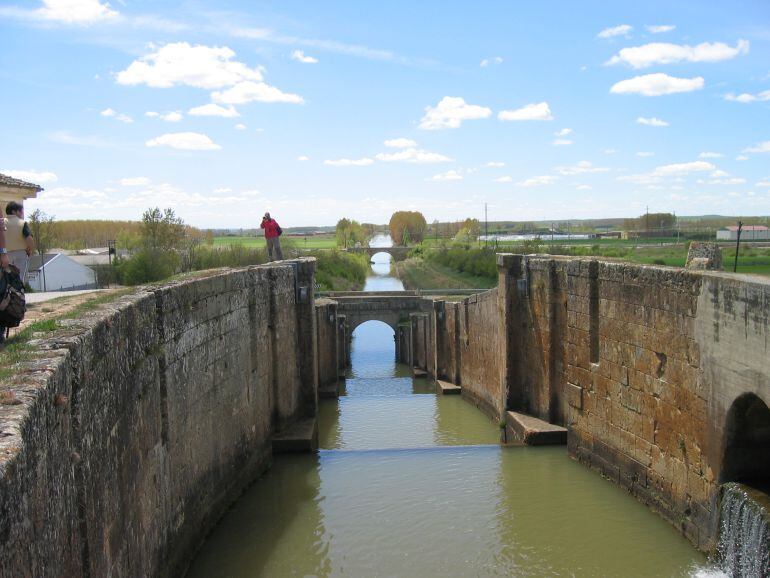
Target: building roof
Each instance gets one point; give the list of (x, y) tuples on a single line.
[(36, 262), (747, 228), (7, 181)]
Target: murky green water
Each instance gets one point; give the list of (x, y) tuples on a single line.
[(412, 484)]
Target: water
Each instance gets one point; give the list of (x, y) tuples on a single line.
[(412, 484), (381, 279), (744, 533)]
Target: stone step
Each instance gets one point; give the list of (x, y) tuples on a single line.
[(446, 388), (330, 390), (532, 431), (417, 372), (299, 437)]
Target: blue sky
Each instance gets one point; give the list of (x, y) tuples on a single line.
[(319, 110)]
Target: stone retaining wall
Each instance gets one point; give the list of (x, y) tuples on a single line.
[(141, 422)]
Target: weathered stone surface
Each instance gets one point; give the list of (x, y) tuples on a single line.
[(446, 388), (532, 431), (141, 422), (301, 436)]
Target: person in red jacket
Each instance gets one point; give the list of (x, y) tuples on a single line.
[(272, 232)]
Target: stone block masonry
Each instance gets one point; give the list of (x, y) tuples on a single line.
[(140, 423), (657, 373)]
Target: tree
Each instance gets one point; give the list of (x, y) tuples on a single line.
[(161, 238), (470, 230), (407, 227), (42, 228)]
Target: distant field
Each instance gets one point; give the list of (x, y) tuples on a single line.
[(304, 242)]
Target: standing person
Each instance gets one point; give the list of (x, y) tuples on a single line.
[(272, 232), (18, 238)]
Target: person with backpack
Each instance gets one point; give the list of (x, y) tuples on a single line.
[(272, 232), (19, 240)]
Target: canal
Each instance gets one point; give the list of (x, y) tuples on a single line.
[(408, 483)]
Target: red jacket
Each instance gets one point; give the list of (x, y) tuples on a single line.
[(270, 227)]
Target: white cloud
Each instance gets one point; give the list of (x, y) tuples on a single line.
[(652, 121), (538, 181), (412, 155), (763, 184), (152, 114), (180, 64), (400, 143), (222, 190), (561, 142), (584, 187), (610, 151), (299, 56), (621, 30), (172, 116), (741, 158), (763, 147), (505, 179), (645, 154), (110, 113), (678, 169), (487, 61), (563, 132), (746, 98), (719, 173), (666, 53), (450, 112), (730, 181), (187, 141), (660, 28), (212, 109), (710, 155), (656, 85), (249, 91), (31, 176), (76, 11), (539, 111), (362, 162), (447, 176), (135, 182), (303, 158), (494, 164), (240, 126), (580, 168)]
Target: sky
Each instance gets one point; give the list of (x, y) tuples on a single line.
[(315, 111)]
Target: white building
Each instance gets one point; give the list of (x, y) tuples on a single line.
[(57, 272), (748, 233)]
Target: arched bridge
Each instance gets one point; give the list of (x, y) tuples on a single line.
[(391, 307), (398, 253)]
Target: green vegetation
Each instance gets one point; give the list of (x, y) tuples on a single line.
[(324, 241), (418, 273), (340, 271), (350, 233)]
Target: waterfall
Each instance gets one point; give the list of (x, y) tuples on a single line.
[(744, 536)]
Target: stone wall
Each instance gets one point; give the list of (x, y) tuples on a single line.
[(328, 342), (141, 422), (646, 366)]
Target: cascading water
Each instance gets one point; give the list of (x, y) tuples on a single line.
[(744, 538)]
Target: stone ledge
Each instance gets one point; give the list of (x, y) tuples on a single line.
[(533, 431), (300, 437), (446, 388), (417, 372)]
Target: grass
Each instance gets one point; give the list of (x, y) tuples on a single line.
[(417, 273), (327, 241)]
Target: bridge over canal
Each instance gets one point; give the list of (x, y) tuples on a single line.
[(397, 253)]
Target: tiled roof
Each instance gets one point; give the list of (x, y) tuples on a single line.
[(7, 181)]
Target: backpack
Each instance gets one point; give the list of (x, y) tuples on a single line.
[(13, 302), (278, 229)]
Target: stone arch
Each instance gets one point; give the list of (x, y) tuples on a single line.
[(746, 456), (355, 321)]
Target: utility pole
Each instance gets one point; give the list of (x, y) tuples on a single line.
[(486, 227), (737, 246)]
